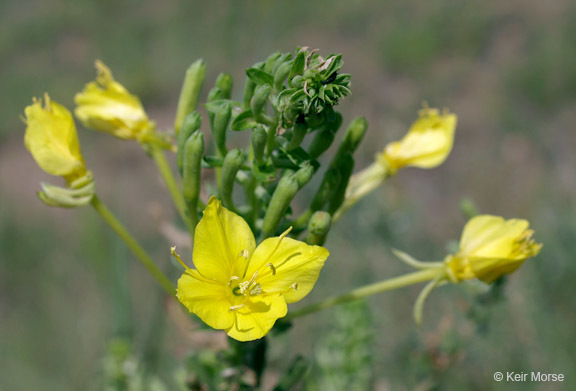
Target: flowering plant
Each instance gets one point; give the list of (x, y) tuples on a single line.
[(252, 254)]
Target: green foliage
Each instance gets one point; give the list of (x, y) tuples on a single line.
[(344, 357)]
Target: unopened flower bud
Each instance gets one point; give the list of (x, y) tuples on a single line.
[(191, 88)]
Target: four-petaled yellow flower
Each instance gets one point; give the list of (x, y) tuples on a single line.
[(107, 106), (426, 145), (491, 247), (239, 287), (52, 140)]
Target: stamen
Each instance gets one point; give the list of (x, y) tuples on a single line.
[(294, 286), (173, 252), (272, 267), (243, 287), (244, 253), (280, 238), (233, 278), (236, 307)]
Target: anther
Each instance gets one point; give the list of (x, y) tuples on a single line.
[(233, 278), (272, 268), (236, 307), (256, 290), (175, 255), (294, 286), (244, 253)]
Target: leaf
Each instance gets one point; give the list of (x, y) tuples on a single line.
[(259, 77), (213, 106), (243, 121), (296, 155), (214, 161), (298, 65), (265, 173)]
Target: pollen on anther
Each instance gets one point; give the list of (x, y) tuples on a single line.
[(294, 286)]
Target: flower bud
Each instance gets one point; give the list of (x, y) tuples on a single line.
[(191, 171), (298, 134), (249, 87), (191, 123), (260, 98), (191, 88), (321, 142), (105, 105), (220, 126), (491, 247), (345, 167), (287, 188), (232, 163), (318, 228), (282, 73), (426, 145), (258, 140), (225, 82), (354, 135), (52, 140)]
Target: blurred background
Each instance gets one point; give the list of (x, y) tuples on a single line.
[(68, 287)]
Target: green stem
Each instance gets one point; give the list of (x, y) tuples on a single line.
[(369, 290), (166, 172), (133, 245)]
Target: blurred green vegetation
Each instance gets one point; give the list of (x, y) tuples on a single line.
[(68, 287)]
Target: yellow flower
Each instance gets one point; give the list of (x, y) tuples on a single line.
[(107, 106), (426, 145), (52, 140), (239, 287), (491, 247)]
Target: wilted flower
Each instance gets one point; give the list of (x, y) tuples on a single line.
[(491, 247), (426, 145), (52, 140), (239, 287), (107, 106)]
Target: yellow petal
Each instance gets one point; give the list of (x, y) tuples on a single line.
[(207, 299), (282, 263), (107, 106), (52, 140), (221, 243), (490, 269), (491, 236), (257, 317), (426, 145)]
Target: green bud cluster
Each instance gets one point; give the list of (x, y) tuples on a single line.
[(288, 106)]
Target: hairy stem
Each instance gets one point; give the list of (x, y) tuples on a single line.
[(133, 245)]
